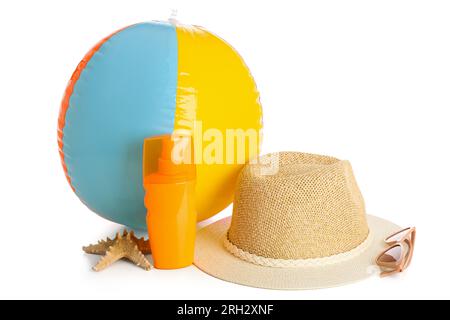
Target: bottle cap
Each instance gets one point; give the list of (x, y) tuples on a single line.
[(174, 159)]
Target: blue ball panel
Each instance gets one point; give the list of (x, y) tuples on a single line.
[(126, 93)]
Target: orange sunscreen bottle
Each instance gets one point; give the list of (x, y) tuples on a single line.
[(169, 183)]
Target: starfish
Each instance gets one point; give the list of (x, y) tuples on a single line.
[(102, 246), (126, 246)]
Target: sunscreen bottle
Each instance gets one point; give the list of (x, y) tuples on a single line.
[(169, 183)]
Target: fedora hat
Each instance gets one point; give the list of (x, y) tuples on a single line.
[(298, 224)]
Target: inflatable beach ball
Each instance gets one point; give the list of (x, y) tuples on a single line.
[(146, 80)]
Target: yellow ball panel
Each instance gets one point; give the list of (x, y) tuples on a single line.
[(216, 93)]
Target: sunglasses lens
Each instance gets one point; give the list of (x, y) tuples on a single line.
[(394, 254), (398, 236)]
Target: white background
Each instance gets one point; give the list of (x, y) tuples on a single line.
[(367, 81)]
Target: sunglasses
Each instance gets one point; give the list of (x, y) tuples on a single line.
[(398, 255)]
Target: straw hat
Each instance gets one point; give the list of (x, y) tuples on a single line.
[(301, 226)]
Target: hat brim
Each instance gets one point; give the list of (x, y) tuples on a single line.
[(212, 258)]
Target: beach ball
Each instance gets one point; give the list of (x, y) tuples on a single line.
[(146, 80)]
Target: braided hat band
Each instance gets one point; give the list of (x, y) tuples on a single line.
[(296, 263)]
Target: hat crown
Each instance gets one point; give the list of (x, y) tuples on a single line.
[(311, 207)]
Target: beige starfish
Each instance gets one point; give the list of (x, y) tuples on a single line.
[(126, 246), (102, 246)]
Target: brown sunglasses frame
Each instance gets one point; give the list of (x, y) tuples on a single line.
[(407, 245)]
